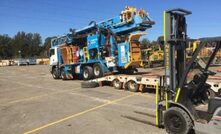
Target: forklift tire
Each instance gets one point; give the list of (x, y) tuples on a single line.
[(87, 73), (117, 84), (87, 84), (177, 121), (55, 73), (132, 86), (97, 70), (63, 76)]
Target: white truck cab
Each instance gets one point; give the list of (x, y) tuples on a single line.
[(53, 56), (54, 62)]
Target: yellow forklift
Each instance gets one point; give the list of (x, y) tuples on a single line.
[(185, 104)]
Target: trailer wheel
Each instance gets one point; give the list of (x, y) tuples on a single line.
[(87, 84), (55, 73), (177, 121), (63, 76), (132, 86), (98, 71), (117, 84), (87, 73)]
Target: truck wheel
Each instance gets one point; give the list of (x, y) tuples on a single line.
[(117, 84), (63, 75), (87, 73), (98, 71), (55, 73), (132, 86), (177, 121)]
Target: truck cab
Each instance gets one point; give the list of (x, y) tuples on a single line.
[(53, 56)]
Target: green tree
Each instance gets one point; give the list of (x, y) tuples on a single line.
[(5, 47), (145, 43), (160, 40), (47, 45), (27, 43), (36, 46)]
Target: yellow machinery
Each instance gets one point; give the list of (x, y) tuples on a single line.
[(204, 53), (135, 51), (152, 56), (129, 12)]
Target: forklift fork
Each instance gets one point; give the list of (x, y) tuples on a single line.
[(160, 100)]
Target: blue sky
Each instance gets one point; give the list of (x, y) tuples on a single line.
[(55, 17)]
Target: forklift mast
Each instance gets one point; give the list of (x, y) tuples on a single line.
[(175, 40)]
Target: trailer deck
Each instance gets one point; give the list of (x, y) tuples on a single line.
[(142, 81)]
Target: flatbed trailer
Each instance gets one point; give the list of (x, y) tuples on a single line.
[(134, 83)]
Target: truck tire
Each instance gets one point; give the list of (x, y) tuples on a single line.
[(63, 76), (87, 84), (117, 84), (87, 73), (132, 86), (55, 73), (97, 70), (177, 121)]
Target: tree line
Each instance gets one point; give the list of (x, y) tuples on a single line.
[(23, 45), (145, 43)]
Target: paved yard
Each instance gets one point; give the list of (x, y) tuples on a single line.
[(31, 101)]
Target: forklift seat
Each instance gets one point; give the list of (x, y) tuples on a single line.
[(214, 103)]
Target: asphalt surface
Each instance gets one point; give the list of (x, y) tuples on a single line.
[(31, 101)]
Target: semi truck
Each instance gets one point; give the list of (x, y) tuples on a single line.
[(100, 48)]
